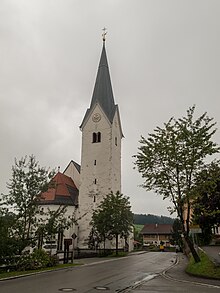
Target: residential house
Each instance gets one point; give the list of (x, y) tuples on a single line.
[(155, 233)]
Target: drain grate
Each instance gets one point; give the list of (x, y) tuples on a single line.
[(101, 288), (67, 289)]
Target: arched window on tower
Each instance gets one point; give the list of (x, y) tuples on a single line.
[(96, 137), (99, 136)]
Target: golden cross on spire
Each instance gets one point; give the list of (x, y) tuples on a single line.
[(104, 34)]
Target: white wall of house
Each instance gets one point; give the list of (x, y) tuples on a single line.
[(67, 234), (73, 173)]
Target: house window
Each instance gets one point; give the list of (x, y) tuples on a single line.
[(96, 137), (116, 141), (95, 181), (95, 162)]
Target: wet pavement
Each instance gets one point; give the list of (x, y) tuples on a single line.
[(213, 252), (175, 279)]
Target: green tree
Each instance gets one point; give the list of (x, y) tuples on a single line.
[(170, 159), (206, 205), (113, 218), (53, 222), (8, 244), (176, 233), (27, 182), (137, 236)]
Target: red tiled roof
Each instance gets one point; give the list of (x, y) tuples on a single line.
[(64, 191), (157, 229)]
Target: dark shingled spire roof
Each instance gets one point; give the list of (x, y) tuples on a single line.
[(103, 94)]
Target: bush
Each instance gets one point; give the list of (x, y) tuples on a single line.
[(36, 260)]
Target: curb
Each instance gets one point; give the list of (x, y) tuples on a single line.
[(163, 274)]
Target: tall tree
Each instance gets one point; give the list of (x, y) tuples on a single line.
[(206, 205), (170, 159), (8, 244), (176, 233), (53, 222), (27, 182), (113, 218)]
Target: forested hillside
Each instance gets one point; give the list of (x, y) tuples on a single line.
[(152, 219)]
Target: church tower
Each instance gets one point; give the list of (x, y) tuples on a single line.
[(101, 150)]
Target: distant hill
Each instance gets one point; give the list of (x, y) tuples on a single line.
[(141, 219)]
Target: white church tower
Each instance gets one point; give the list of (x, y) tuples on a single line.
[(101, 150)]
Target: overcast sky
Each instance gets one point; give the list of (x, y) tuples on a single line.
[(164, 56)]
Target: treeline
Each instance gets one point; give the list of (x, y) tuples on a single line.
[(152, 219)]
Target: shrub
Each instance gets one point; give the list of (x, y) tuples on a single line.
[(36, 260)]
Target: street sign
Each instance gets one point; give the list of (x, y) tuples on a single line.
[(196, 230)]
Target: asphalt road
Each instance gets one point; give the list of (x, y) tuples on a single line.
[(135, 273)]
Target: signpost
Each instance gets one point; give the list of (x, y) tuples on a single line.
[(74, 237), (194, 230)]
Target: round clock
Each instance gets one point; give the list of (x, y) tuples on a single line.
[(96, 117)]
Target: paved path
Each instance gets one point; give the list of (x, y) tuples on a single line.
[(178, 272), (213, 252), (176, 280)]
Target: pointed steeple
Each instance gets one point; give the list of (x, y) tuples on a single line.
[(103, 94)]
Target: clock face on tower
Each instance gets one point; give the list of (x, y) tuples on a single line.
[(96, 117)]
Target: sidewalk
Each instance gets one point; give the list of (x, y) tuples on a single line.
[(213, 253), (95, 260), (177, 272)]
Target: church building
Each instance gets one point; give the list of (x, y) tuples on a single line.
[(100, 169)]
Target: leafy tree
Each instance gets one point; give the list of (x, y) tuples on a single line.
[(113, 218), (170, 159), (51, 223), (27, 182), (95, 238), (176, 233), (8, 244), (206, 205), (137, 236)]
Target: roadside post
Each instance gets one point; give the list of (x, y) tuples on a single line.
[(73, 237)]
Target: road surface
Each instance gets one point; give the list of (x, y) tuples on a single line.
[(135, 273)]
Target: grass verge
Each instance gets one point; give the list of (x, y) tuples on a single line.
[(120, 254), (23, 273), (205, 268)]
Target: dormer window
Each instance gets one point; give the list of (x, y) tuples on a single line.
[(96, 137)]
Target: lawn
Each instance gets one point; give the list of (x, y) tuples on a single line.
[(205, 268), (23, 273)]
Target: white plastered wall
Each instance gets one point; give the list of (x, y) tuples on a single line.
[(100, 168), (73, 173)]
